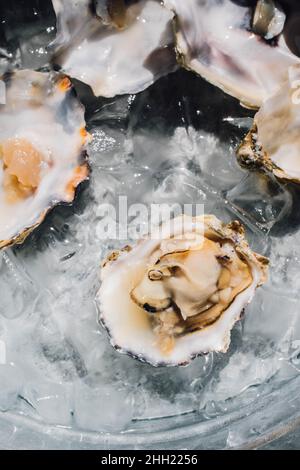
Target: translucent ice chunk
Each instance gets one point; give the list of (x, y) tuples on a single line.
[(11, 380), (60, 353), (154, 407), (52, 401), (101, 409), (272, 318), (178, 185), (30, 28), (243, 370), (261, 200), (218, 162), (17, 290), (34, 53), (285, 265), (109, 147)]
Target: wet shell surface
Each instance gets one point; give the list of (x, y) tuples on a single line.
[(273, 144), (179, 292), (42, 150), (113, 47), (217, 40)]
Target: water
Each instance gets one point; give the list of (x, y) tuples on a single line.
[(175, 142)]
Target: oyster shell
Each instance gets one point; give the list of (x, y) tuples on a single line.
[(268, 19), (111, 12), (178, 293), (215, 40), (42, 150), (72, 17), (273, 144), (121, 51)]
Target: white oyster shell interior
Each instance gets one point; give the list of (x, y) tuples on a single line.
[(215, 40), (115, 60), (278, 124), (168, 299), (42, 138)]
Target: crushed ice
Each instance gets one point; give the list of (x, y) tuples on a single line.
[(175, 142)]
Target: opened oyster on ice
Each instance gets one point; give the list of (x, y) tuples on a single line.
[(115, 47), (273, 144), (230, 45), (251, 51), (179, 292), (42, 150)]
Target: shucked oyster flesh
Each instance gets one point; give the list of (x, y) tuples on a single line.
[(42, 150), (215, 38), (114, 48), (178, 293)]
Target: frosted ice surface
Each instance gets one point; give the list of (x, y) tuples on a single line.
[(261, 199), (173, 143), (243, 370), (52, 401), (17, 287), (101, 409), (11, 381)]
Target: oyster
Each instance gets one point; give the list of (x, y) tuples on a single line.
[(72, 17), (215, 39), (273, 144), (268, 19), (42, 150), (116, 50), (77, 18), (111, 12), (178, 293)]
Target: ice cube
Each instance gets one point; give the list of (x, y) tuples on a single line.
[(52, 401), (178, 186), (285, 265), (63, 356), (34, 52), (11, 380), (262, 200), (154, 407), (18, 291), (245, 369), (218, 163), (272, 318), (101, 409), (110, 147)]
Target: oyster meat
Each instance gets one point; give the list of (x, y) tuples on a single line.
[(114, 48), (178, 292), (273, 144), (216, 39), (42, 150)]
